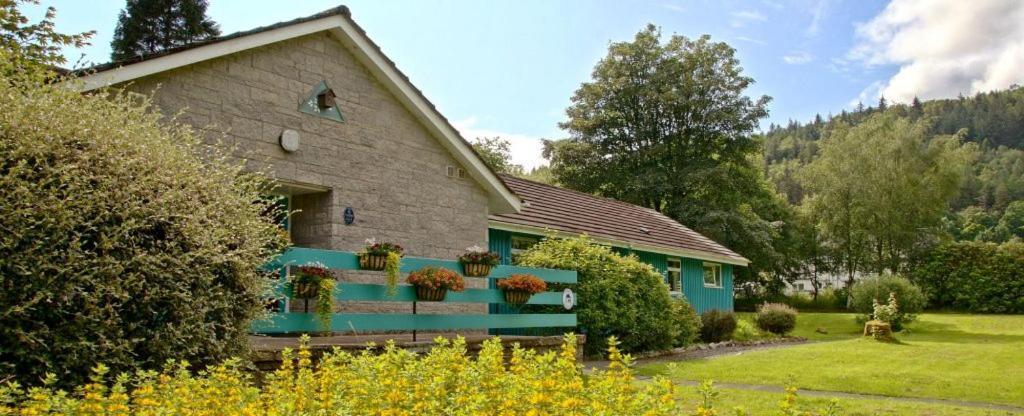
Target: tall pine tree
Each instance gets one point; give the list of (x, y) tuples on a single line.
[(148, 26)]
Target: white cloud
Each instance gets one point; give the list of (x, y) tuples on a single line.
[(798, 58), (869, 96), (751, 40), (945, 47), (741, 18), (673, 7), (526, 150), (818, 14)]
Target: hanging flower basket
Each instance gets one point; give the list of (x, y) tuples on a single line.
[(476, 269), (430, 295), (517, 297), (518, 288), (433, 283), (477, 262), (373, 261)]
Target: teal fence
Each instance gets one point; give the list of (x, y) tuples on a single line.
[(298, 322)]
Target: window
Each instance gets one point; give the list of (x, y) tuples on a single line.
[(712, 275), (799, 287), (675, 275), (521, 244)]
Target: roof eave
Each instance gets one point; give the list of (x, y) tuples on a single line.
[(617, 242)]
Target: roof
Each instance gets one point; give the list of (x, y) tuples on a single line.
[(337, 21), (550, 208)]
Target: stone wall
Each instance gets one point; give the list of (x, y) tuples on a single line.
[(382, 161)]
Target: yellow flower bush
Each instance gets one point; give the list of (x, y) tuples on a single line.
[(445, 381)]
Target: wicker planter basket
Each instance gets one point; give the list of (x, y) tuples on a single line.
[(476, 269), (516, 297), (373, 261), (430, 295), (305, 290)]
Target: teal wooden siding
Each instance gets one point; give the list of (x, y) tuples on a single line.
[(705, 298), (702, 298)]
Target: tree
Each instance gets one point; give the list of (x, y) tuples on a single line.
[(148, 26), (497, 154), (881, 190), (38, 44), (667, 125)]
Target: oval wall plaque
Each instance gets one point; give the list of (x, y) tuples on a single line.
[(350, 216)]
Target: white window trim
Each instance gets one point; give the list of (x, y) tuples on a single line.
[(718, 276), (513, 251), (679, 270)]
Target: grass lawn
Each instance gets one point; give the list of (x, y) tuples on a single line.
[(766, 403), (960, 357)]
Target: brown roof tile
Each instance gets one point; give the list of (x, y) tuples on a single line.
[(560, 209)]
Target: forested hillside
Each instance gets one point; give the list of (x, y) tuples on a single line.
[(995, 176)]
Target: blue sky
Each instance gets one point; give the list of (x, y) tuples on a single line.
[(509, 67)]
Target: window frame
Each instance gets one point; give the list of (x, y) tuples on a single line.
[(679, 272), (513, 251), (719, 282)]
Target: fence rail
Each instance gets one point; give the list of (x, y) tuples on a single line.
[(293, 322)]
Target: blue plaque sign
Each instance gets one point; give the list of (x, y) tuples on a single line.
[(350, 216)]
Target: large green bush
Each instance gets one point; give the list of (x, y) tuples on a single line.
[(121, 244), (878, 287), (619, 296), (687, 322), (974, 277)]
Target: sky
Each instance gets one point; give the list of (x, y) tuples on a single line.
[(508, 68)]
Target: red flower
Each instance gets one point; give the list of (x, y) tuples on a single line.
[(522, 283)]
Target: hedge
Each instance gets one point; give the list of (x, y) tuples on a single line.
[(974, 277)]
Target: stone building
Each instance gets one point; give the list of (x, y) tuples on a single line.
[(357, 150)]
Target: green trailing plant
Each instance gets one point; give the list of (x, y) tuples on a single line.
[(325, 303), (392, 269), (776, 318)]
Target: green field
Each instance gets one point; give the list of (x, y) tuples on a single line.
[(958, 357)]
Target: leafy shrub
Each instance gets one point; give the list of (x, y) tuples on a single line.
[(444, 381), (866, 291), (776, 318), (974, 277), (125, 240), (624, 297), (717, 326), (747, 331), (687, 322)]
